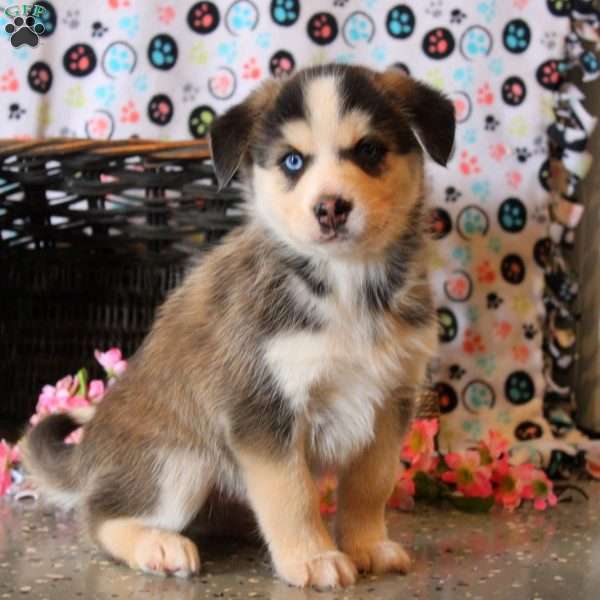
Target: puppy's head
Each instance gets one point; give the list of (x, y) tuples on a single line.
[(333, 156)]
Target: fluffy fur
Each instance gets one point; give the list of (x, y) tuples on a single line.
[(297, 344)]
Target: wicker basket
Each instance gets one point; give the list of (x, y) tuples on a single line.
[(92, 237)]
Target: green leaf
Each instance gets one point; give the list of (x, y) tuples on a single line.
[(428, 488), (472, 505), (82, 379)]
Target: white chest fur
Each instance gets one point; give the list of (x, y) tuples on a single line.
[(336, 378)]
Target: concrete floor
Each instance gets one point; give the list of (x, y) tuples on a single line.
[(527, 555)]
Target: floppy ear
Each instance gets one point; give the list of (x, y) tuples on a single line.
[(429, 112), (231, 134)]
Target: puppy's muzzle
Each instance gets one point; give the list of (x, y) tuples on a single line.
[(332, 212)]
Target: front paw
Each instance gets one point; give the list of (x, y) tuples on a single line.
[(324, 571), (380, 557)]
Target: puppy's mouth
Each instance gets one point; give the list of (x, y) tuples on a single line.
[(330, 235)]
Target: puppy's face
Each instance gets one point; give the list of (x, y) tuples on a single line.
[(333, 155)]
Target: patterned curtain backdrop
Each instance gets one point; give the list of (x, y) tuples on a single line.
[(164, 69)]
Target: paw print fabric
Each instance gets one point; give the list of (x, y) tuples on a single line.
[(162, 69)]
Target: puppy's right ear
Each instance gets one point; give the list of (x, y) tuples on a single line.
[(231, 134)]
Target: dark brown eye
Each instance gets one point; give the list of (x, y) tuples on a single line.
[(369, 151)]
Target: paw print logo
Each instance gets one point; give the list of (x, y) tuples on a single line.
[(512, 215), (491, 123), (400, 22), (485, 272), (166, 13), (79, 60), (39, 77), (468, 164), (458, 287), (519, 387), (200, 120), (358, 29), (529, 331), (456, 372), (160, 109), (452, 194), (241, 16), (203, 17), (448, 326), (485, 96), (513, 269), (100, 126), (475, 42), (222, 84), (251, 70), (438, 43), (285, 12), (162, 52), (522, 154), (322, 28), (447, 398), (516, 36), (478, 396), (129, 113), (24, 31), (472, 342), (106, 95), (502, 329), (71, 18), (514, 91), (281, 63), (549, 75)]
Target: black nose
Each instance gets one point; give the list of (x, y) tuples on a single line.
[(332, 211)]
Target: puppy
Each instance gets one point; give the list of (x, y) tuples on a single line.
[(298, 344)]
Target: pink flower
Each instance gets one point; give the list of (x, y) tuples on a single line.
[(95, 390), (8, 457), (539, 489), (112, 361), (510, 483), (469, 475), (492, 448), (419, 446), (403, 495)]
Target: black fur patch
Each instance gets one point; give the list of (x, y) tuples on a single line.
[(378, 293), (302, 267)]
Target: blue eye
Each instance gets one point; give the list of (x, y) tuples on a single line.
[(293, 162)]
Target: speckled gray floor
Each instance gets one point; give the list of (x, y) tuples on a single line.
[(527, 555)]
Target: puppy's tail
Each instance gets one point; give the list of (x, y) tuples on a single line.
[(50, 461)]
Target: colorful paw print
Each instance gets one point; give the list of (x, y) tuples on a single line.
[(358, 29), (285, 12), (203, 17), (160, 109), (516, 36), (520, 353), (472, 342), (106, 95), (130, 24), (478, 396), (200, 120), (519, 387), (502, 329), (241, 16), (162, 52), (448, 325), (322, 28), (472, 221), (400, 22), (485, 272), (251, 70), (120, 59), (40, 77), (117, 4), (438, 43), (166, 13), (514, 179), (129, 113), (222, 84), (75, 97), (468, 164), (281, 63), (485, 96), (79, 60), (549, 74), (514, 91), (476, 42)]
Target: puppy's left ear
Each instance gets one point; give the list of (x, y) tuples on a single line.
[(231, 134), (430, 113)]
